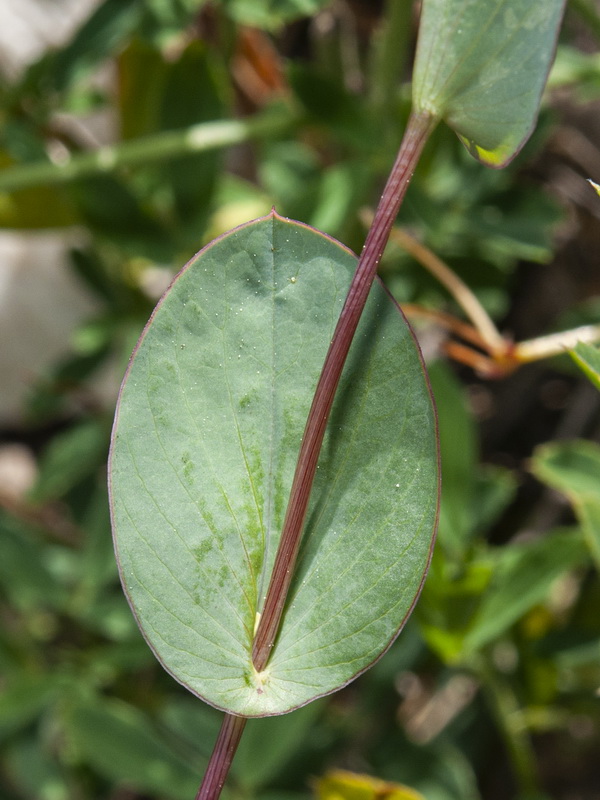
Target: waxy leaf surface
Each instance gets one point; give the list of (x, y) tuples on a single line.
[(207, 432), (482, 68)]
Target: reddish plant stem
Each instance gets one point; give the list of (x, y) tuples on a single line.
[(417, 132), (221, 758)]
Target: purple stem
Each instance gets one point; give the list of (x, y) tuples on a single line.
[(221, 758), (417, 132)]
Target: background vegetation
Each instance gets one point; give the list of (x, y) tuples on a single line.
[(491, 691)]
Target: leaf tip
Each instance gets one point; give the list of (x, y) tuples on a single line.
[(498, 157), (594, 185)]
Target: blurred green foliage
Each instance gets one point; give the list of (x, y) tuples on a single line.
[(500, 663)]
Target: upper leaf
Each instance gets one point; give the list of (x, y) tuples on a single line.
[(207, 433), (482, 67)]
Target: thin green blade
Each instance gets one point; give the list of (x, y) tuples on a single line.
[(587, 358), (482, 68), (207, 432)]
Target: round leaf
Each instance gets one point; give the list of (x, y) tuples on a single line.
[(482, 67), (207, 432)]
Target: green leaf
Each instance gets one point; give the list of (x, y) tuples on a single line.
[(522, 577), (587, 357), (70, 457), (191, 96), (33, 769), (267, 744), (97, 39), (118, 741), (24, 575), (205, 442), (271, 13), (24, 697), (458, 446), (160, 94), (111, 208), (482, 67), (573, 468)]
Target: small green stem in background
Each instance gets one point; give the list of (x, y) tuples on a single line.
[(221, 758), (417, 132), (389, 56), (509, 718), (146, 150)]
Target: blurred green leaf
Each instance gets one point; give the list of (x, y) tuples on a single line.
[(108, 615), (70, 457), (458, 448), (192, 96), (450, 599), (23, 698), (112, 209), (98, 38), (573, 468), (290, 174), (482, 69), (142, 74), (121, 744), (160, 94), (587, 358), (97, 566), (495, 488), (268, 744), (331, 106), (195, 724), (33, 770), (271, 13), (24, 574), (522, 577)]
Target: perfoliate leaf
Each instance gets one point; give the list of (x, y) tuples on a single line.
[(482, 67), (208, 427)]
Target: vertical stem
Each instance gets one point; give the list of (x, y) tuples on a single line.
[(221, 758), (389, 57), (146, 150), (417, 132), (509, 718)]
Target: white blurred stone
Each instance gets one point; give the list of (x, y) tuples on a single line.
[(40, 304), (40, 300), (18, 471), (29, 27)]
